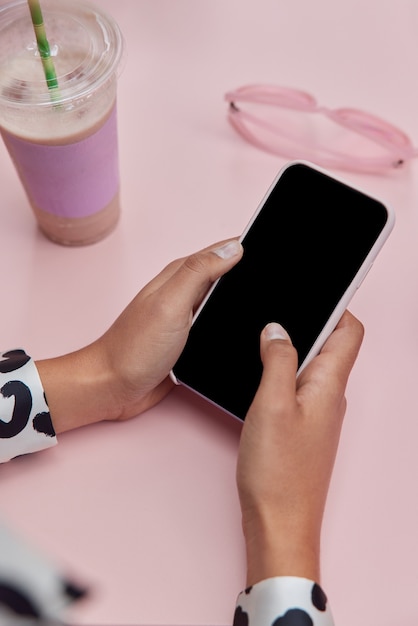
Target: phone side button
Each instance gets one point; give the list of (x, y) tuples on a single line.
[(364, 275)]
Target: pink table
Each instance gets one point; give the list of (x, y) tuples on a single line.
[(146, 512)]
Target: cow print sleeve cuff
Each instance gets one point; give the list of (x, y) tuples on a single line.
[(283, 601), (25, 422)]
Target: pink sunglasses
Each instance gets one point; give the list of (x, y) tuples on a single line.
[(278, 138)]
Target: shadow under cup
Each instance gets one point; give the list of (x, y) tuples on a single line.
[(63, 141)]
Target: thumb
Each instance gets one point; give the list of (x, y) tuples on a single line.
[(280, 362), (192, 279)]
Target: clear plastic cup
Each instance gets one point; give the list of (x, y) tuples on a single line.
[(63, 142)]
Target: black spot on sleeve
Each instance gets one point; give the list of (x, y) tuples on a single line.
[(319, 599), (21, 410), (294, 617), (240, 617), (16, 601), (13, 360), (73, 591), (42, 423)]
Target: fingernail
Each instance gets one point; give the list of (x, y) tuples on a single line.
[(275, 331), (228, 250)]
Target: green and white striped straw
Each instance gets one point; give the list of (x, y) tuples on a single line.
[(43, 45)]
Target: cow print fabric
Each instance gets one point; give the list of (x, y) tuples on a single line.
[(26, 426), (25, 422), (283, 601), (32, 589)]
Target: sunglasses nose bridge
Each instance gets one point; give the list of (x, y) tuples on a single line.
[(323, 110)]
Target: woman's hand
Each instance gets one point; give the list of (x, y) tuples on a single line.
[(126, 371), (287, 451)]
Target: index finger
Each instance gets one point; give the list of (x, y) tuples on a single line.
[(189, 278)]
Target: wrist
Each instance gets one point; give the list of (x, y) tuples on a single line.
[(78, 388), (280, 547)]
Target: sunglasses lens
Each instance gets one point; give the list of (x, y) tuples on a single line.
[(373, 127)]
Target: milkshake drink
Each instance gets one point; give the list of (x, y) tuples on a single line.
[(63, 141)]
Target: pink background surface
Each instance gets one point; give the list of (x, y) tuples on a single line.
[(146, 512)]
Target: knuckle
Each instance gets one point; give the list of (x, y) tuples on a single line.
[(355, 324), (195, 263), (283, 350), (174, 265), (360, 330)]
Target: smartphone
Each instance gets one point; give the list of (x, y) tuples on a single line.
[(307, 249)]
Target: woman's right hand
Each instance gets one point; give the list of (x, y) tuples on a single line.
[(287, 451)]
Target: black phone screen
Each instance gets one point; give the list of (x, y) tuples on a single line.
[(301, 253)]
